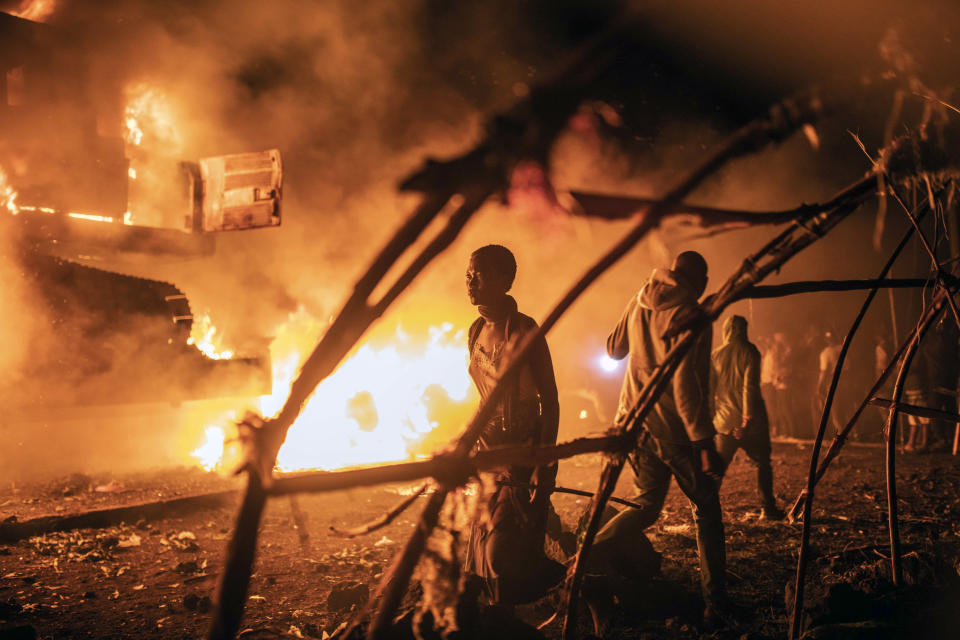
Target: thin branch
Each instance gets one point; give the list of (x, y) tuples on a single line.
[(938, 268), (573, 492), (892, 520), (447, 468), (914, 410), (383, 520), (614, 207), (816, 286), (840, 439), (800, 581)]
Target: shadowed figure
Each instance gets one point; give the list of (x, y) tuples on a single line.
[(508, 552), (678, 442), (740, 415)]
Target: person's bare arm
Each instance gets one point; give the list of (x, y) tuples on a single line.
[(618, 343)]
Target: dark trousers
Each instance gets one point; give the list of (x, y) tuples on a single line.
[(756, 444), (654, 463)]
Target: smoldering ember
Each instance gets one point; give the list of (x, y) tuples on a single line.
[(490, 319)]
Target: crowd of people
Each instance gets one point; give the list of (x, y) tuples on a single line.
[(713, 407)]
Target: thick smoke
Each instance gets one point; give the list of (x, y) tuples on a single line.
[(356, 95)]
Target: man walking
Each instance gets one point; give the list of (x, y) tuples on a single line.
[(678, 442), (740, 415)]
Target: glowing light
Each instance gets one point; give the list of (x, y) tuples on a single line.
[(148, 118), (607, 364), (383, 403), (88, 216), (395, 397), (8, 197), (210, 452), (36, 10), (583, 414), (132, 173), (203, 336)]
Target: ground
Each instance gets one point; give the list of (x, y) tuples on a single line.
[(153, 579)]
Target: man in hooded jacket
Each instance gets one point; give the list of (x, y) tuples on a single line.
[(678, 441), (740, 415)]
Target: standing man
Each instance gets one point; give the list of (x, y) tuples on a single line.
[(507, 551), (678, 442), (740, 415)]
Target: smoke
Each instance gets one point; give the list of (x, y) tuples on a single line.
[(357, 94)]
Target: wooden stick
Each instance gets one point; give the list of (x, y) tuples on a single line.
[(231, 596), (796, 616), (892, 507), (573, 492), (914, 410), (938, 268), (840, 439), (383, 520), (817, 286), (614, 207)]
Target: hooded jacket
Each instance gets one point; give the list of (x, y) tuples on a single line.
[(682, 413), (736, 380)]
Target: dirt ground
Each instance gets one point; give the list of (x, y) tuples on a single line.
[(155, 579)]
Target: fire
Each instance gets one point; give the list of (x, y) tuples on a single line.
[(36, 10), (210, 453), (8, 197), (149, 117), (203, 336), (389, 400)]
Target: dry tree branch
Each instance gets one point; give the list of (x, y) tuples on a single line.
[(938, 268), (914, 410), (614, 207), (821, 286), (840, 439), (800, 580), (383, 520), (892, 521)]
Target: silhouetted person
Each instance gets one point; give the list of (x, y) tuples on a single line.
[(740, 415), (775, 362), (932, 382), (829, 356), (679, 431), (508, 552)]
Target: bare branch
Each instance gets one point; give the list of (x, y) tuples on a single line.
[(383, 520)]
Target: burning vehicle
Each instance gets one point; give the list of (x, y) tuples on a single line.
[(80, 206)]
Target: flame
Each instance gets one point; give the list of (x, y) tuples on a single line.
[(210, 453), (90, 216), (8, 197), (149, 117), (203, 336), (390, 400), (36, 10), (380, 405)]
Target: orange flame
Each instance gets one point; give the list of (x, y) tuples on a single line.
[(149, 117), (203, 336), (36, 10), (8, 197), (385, 402)]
